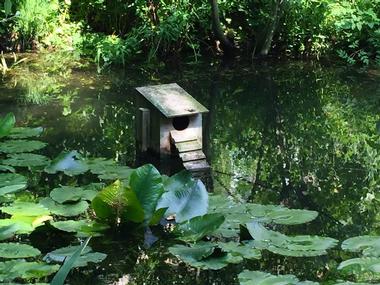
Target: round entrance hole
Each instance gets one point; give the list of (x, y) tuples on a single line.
[(181, 123)]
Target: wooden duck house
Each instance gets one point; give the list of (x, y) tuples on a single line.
[(170, 121)]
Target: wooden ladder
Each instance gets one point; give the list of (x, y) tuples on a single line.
[(190, 151)]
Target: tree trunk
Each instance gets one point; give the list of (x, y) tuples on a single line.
[(226, 45), (269, 36)]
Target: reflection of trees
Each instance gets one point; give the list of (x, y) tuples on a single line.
[(300, 137)]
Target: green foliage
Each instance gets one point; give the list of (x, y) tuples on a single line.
[(368, 245), (7, 124), (11, 182), (17, 250)]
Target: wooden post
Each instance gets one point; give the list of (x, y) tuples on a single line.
[(143, 129)]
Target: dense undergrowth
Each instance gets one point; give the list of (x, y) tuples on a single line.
[(117, 32), (83, 197)]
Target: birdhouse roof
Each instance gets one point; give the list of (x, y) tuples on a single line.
[(172, 100)]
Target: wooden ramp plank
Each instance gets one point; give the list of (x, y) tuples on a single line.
[(183, 136), (196, 165), (192, 155), (188, 146)]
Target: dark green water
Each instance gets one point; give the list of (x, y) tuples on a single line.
[(293, 133)]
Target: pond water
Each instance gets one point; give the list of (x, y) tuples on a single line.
[(300, 134)]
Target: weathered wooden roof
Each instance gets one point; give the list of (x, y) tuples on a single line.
[(171, 100)]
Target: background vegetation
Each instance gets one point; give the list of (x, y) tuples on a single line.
[(114, 31)]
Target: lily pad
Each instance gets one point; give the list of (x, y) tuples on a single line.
[(19, 268), (359, 265), (368, 245), (185, 197), (237, 249), (302, 245), (7, 168), (70, 163), (262, 278), (17, 250), (72, 194), (87, 256), (18, 146), (26, 160), (24, 224), (65, 210), (82, 228), (108, 169), (11, 183), (27, 209), (8, 231), (22, 133), (198, 227)]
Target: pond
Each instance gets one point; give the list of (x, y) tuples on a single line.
[(295, 133)]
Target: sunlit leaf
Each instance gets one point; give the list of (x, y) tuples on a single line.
[(198, 227), (65, 210), (184, 196), (11, 183), (17, 250), (18, 146), (6, 125), (26, 160), (25, 209), (70, 163), (368, 245)]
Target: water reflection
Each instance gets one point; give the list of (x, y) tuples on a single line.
[(300, 134)]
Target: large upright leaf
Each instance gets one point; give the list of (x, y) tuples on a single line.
[(146, 182), (198, 227), (71, 163), (185, 197), (18, 146), (11, 183), (117, 202), (369, 245), (279, 243), (262, 278), (6, 124)]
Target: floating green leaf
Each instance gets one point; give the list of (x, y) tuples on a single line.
[(368, 245), (17, 250), (262, 278), (278, 243), (87, 256), (11, 183), (22, 133), (82, 228), (72, 194), (18, 146), (26, 160), (70, 163), (19, 268), (363, 264), (27, 209), (243, 250), (6, 124), (25, 224), (108, 169), (66, 210), (146, 182), (185, 197), (7, 168), (198, 227), (8, 231)]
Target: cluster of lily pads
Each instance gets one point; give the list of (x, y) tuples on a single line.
[(209, 227)]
